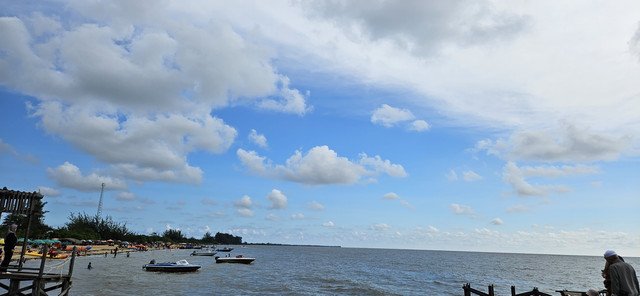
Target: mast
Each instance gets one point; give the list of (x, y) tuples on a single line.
[(100, 203)]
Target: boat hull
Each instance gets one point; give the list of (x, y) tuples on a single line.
[(172, 269), (242, 260), (180, 266)]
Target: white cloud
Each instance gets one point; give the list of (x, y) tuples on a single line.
[(471, 176), (569, 144), (320, 166), (390, 195), (297, 216), (406, 204), (389, 116), (314, 205), (516, 177), (277, 199), (244, 202), (258, 139), (49, 192), (328, 224), (419, 126), (244, 212), (380, 227), (69, 176), (496, 221), (462, 209)]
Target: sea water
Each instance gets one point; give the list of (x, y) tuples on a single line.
[(303, 270)]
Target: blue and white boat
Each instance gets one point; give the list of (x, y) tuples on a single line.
[(179, 266)]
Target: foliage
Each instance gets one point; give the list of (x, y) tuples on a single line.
[(228, 239), (173, 235), (93, 228), (208, 239), (38, 228)]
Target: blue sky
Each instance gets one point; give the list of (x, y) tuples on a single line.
[(501, 126)]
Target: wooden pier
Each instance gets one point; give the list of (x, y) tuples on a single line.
[(468, 291), (41, 283)]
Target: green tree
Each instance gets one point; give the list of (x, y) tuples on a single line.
[(174, 235), (207, 238), (38, 228)]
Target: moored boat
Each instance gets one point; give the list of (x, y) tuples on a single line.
[(225, 249), (179, 266), (204, 252), (236, 259)]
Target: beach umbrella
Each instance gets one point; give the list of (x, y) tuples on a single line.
[(39, 241)]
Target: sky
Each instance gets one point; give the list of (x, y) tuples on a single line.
[(492, 126)]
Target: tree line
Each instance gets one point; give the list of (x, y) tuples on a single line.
[(86, 227)]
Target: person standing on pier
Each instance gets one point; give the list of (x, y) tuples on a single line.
[(10, 241), (624, 281)]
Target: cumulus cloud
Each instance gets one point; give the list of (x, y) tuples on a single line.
[(258, 139), (320, 166), (516, 177), (462, 209), (329, 224), (297, 216), (496, 221), (69, 176), (244, 202), (145, 99), (389, 116), (419, 126), (278, 199)]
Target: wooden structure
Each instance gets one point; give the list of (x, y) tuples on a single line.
[(18, 202), (468, 291)]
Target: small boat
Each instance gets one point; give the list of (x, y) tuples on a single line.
[(49, 255), (236, 259), (180, 266), (225, 249), (204, 252)]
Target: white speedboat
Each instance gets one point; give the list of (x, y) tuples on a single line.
[(180, 266), (204, 252), (236, 259)]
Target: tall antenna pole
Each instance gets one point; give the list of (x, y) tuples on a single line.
[(100, 203)]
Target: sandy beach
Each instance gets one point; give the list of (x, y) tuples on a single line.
[(94, 250)]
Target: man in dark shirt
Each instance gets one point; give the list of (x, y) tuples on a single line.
[(10, 241)]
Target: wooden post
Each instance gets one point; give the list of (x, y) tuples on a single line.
[(491, 291), (513, 290)]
